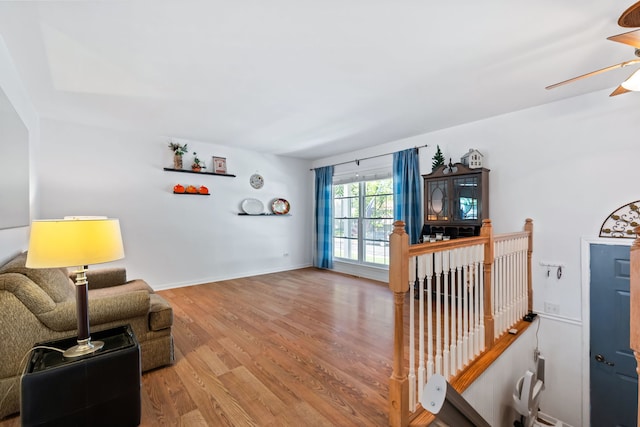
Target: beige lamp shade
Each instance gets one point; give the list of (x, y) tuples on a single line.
[(74, 242)]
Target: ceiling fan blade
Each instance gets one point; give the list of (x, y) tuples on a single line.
[(630, 18), (619, 91), (632, 38), (593, 73)]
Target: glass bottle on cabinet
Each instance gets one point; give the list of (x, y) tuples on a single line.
[(456, 200)]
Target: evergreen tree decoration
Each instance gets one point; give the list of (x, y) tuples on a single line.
[(438, 159)]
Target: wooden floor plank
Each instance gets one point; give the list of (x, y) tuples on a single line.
[(192, 419)]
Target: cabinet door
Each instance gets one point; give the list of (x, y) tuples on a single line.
[(466, 198), (437, 200)]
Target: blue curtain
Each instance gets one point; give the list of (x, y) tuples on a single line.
[(407, 199), (324, 218)]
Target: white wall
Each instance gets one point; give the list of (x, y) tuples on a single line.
[(567, 165), (172, 240), (492, 393), (15, 240)]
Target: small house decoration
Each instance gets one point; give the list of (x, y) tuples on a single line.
[(473, 159)]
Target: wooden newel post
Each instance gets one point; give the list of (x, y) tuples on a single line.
[(489, 329), (399, 284), (528, 227), (634, 332)]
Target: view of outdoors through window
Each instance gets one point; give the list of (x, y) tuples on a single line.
[(363, 221)]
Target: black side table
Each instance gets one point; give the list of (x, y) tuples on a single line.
[(99, 389)]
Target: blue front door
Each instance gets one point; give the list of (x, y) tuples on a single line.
[(614, 382)]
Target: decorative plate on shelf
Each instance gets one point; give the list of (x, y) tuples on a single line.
[(280, 206), (256, 180), (252, 206)]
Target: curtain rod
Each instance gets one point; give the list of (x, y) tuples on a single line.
[(357, 161)]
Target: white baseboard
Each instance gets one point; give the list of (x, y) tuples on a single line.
[(222, 278)]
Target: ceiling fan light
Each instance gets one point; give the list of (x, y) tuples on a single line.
[(633, 82)]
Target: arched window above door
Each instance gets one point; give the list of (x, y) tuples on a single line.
[(622, 222)]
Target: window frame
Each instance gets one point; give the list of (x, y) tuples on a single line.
[(361, 236)]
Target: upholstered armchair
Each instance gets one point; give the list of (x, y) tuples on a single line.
[(38, 305)]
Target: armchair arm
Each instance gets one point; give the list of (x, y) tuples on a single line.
[(103, 277), (117, 307), (104, 309)]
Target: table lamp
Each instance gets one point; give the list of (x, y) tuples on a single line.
[(76, 242)]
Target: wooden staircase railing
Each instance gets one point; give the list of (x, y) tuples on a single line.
[(468, 291)]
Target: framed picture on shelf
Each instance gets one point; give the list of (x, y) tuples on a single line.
[(219, 164)]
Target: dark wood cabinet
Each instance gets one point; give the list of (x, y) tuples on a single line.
[(456, 200)]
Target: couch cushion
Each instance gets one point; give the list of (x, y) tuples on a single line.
[(160, 313), (54, 281)]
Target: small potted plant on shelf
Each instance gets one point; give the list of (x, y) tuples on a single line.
[(197, 164), (178, 151)]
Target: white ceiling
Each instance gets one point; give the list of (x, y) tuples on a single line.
[(306, 78)]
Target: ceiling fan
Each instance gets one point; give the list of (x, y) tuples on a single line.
[(630, 18)]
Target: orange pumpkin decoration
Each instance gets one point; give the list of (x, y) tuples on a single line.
[(178, 188), (203, 190), (191, 189)]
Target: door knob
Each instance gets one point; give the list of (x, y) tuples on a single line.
[(600, 358)]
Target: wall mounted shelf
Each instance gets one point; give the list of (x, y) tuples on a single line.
[(262, 214), (199, 173), (193, 194)]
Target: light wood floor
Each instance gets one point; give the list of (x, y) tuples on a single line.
[(298, 348)]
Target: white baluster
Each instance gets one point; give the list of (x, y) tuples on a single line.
[(473, 300), (477, 296), (429, 266), (515, 284), (505, 285), (482, 297), (523, 275), (501, 286), (454, 352), (466, 306), (512, 284), (422, 261), (445, 354), (516, 288), (460, 287), (498, 289), (494, 290), (438, 313), (522, 280)]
